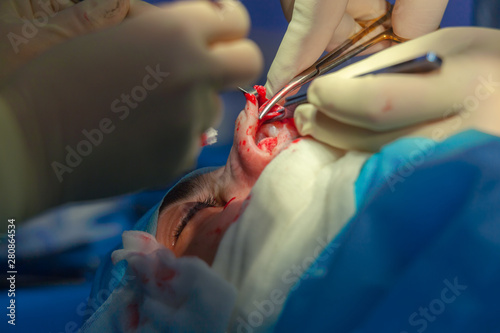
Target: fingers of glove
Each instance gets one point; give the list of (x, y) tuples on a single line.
[(346, 28), (366, 9), (310, 121), (389, 101), (49, 7), (444, 42), (224, 21), (384, 102), (138, 7), (89, 16), (308, 34), (235, 64), (412, 19)]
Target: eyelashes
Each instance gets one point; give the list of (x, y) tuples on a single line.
[(208, 202)]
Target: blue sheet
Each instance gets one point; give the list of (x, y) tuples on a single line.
[(423, 251)]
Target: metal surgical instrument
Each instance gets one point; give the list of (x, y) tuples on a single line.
[(424, 64), (338, 56)]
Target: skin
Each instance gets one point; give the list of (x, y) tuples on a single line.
[(229, 186)]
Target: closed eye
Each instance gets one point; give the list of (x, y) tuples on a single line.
[(198, 206)]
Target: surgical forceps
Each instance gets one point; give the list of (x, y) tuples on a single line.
[(336, 57), (424, 64)]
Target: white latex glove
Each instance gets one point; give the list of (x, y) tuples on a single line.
[(123, 108), (31, 27), (162, 293), (319, 25), (366, 112)]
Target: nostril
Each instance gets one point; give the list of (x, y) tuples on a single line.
[(267, 131)]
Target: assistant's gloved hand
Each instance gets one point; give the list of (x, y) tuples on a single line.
[(367, 112), (32, 27), (319, 25), (124, 108)]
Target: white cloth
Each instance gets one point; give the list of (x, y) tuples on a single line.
[(161, 293), (299, 203)]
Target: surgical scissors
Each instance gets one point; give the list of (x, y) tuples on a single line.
[(339, 55), (423, 64)]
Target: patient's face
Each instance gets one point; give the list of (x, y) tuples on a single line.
[(197, 212)]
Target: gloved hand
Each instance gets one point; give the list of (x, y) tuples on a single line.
[(319, 25), (367, 112), (32, 27), (124, 108)]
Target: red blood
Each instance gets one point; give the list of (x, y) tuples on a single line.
[(270, 115), (244, 142), (388, 106), (145, 238), (262, 94), (227, 204), (248, 149), (164, 275), (133, 314), (218, 231), (262, 102), (86, 17), (203, 140), (296, 140), (251, 98), (268, 144)]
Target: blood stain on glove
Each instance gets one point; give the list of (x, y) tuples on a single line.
[(388, 106), (163, 276)]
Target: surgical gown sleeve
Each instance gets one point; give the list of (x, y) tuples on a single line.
[(423, 251)]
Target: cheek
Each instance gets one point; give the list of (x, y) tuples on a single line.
[(204, 239)]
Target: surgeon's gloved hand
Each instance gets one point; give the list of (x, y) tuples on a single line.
[(29, 28), (124, 108), (367, 112), (319, 25)]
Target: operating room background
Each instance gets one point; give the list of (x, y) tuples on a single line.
[(55, 306)]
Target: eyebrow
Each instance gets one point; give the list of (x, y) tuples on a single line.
[(182, 190)]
